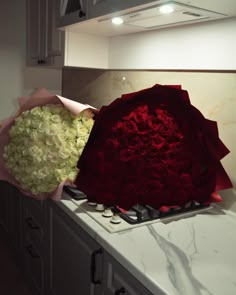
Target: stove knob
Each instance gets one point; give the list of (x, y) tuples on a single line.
[(115, 219), (100, 207), (92, 203), (107, 213)]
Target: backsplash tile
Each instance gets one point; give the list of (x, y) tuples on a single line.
[(214, 94)]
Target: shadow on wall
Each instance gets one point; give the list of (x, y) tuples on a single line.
[(76, 84), (35, 78)]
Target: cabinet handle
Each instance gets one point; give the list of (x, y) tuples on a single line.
[(31, 251), (82, 13), (93, 267), (120, 291), (30, 223), (41, 61)]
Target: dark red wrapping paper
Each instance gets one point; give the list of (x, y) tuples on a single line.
[(152, 147)]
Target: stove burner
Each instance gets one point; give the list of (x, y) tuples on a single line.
[(142, 213)]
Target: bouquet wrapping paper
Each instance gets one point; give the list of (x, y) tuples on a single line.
[(153, 147)]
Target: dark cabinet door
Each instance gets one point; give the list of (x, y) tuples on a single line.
[(118, 281), (72, 11), (34, 265), (15, 217), (4, 205), (10, 213), (75, 259)]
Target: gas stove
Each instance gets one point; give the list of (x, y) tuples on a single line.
[(115, 219)]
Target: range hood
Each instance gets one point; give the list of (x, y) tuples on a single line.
[(153, 17), (149, 17)]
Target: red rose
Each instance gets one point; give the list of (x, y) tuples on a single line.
[(129, 127), (112, 143), (127, 154), (140, 114)]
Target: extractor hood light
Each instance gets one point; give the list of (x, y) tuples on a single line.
[(117, 21), (165, 9)]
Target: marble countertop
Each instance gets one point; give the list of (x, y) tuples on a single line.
[(190, 256)]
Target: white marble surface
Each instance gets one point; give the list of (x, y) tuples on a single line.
[(191, 256)]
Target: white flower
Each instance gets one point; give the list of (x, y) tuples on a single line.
[(45, 145)]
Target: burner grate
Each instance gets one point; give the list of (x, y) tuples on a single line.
[(142, 213)]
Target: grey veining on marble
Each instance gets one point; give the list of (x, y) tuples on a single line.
[(178, 267)]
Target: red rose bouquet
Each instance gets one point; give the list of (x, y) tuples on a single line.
[(152, 147)]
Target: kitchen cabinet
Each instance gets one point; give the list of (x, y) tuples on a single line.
[(18, 219), (72, 11), (45, 43), (34, 243), (4, 205), (85, 267), (117, 280), (34, 266), (15, 218), (10, 214), (75, 259), (185, 45), (77, 11), (104, 7), (59, 257)]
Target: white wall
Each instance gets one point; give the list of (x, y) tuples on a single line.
[(12, 54), (205, 46), (84, 50), (15, 79)]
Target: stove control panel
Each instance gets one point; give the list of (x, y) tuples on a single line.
[(115, 220)]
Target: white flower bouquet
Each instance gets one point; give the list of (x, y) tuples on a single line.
[(41, 145)]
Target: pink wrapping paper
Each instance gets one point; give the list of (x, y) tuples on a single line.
[(40, 98)]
